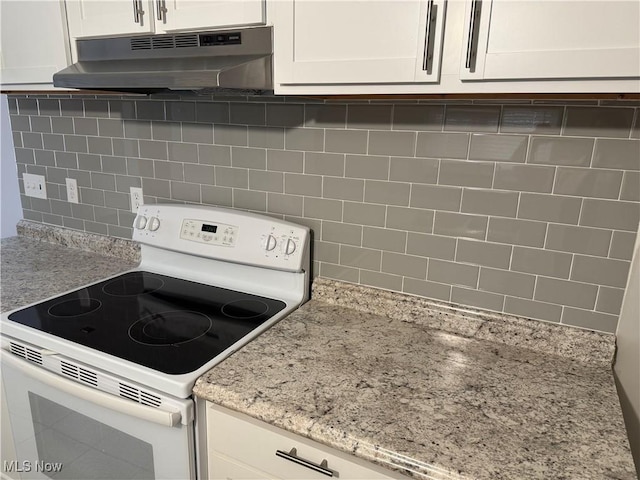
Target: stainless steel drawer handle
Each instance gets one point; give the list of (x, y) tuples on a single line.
[(292, 456)]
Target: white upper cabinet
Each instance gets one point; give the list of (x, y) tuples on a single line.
[(99, 18), (34, 43), (347, 42), (185, 15), (509, 39), (88, 18), (325, 47)]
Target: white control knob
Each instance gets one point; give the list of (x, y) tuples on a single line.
[(288, 246), (154, 224), (140, 222), (269, 243)]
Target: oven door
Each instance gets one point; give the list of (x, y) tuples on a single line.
[(65, 430)]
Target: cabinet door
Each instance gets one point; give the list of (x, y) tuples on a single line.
[(351, 41), (552, 40), (192, 14), (34, 44), (95, 18)]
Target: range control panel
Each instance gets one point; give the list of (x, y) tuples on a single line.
[(209, 233), (224, 234)]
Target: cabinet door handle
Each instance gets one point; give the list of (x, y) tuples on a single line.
[(429, 37), (472, 40), (138, 12), (292, 456), (162, 10)]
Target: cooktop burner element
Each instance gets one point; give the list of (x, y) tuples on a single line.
[(170, 328), (168, 324), (74, 307), (245, 308)]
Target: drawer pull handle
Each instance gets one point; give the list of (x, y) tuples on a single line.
[(292, 456)]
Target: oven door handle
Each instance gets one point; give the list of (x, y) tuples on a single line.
[(97, 397)]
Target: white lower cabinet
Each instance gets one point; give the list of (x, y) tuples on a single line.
[(240, 447)]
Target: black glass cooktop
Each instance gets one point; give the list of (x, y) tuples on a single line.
[(164, 323)]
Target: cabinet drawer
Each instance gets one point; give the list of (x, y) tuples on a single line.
[(235, 437)]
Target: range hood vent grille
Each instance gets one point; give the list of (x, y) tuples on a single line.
[(186, 41), (143, 43), (164, 41)]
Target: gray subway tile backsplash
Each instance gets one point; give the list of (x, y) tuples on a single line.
[(589, 319), (442, 145), (477, 298), (468, 174), (565, 292), (533, 309), (541, 262), (498, 148), (418, 117), (369, 117), (588, 182), (490, 202), (598, 121), (536, 119), (438, 291), (524, 178), (630, 187), (525, 208), (507, 282)]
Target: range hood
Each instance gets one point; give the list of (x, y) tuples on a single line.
[(229, 59)]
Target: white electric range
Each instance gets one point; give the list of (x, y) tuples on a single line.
[(98, 380)]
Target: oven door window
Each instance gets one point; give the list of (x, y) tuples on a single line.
[(84, 447), (59, 436)]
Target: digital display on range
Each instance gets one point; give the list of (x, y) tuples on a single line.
[(209, 228)]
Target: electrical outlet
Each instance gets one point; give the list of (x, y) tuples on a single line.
[(72, 190), (34, 185), (136, 198)]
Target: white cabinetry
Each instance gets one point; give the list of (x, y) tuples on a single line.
[(386, 41), (553, 40), (525, 46), (95, 18), (114, 17), (239, 447), (34, 43)]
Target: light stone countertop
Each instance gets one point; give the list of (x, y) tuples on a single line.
[(391, 389), (32, 270)]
